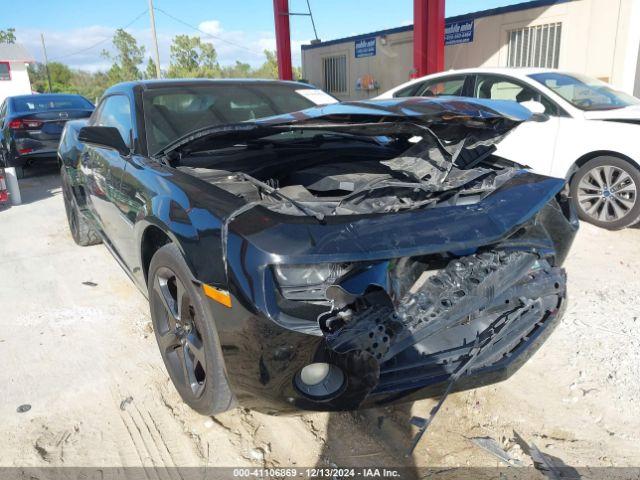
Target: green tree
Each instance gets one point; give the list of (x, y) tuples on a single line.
[(90, 84), (38, 77), (61, 77), (128, 57), (238, 70), (269, 68), (191, 57), (150, 71), (8, 35)]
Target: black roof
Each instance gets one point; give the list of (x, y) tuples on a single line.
[(185, 82), (30, 95)]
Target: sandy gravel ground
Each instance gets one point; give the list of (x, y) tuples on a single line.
[(85, 359)]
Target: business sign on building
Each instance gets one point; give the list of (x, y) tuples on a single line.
[(458, 32), (366, 47)]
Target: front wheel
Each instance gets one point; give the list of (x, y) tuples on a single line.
[(605, 192), (188, 341)]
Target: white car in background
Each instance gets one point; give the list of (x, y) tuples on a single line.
[(591, 135)]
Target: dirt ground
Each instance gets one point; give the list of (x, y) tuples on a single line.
[(83, 356)]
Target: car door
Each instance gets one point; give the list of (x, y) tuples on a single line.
[(103, 169), (533, 143)]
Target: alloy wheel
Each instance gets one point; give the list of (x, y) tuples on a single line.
[(607, 193), (178, 336)]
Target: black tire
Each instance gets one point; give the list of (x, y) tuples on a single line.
[(19, 172), (611, 203), (187, 339), (81, 231)]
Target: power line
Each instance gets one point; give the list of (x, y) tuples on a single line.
[(193, 27), (91, 47)]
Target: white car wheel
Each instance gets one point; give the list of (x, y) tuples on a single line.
[(605, 192)]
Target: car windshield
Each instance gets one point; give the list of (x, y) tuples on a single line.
[(42, 103), (584, 92), (172, 112)]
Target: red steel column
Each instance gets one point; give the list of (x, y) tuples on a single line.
[(283, 39), (428, 36)]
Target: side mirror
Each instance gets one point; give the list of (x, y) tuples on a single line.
[(108, 137), (533, 106)]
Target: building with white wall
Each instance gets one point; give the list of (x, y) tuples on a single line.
[(14, 79), (599, 38)]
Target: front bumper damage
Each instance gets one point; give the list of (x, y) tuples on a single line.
[(437, 325), (405, 327)]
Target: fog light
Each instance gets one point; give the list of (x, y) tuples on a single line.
[(315, 373), (320, 380)]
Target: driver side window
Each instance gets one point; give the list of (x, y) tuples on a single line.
[(115, 111)]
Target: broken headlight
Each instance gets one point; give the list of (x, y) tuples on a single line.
[(308, 282)]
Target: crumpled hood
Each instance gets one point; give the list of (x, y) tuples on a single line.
[(400, 116), (375, 237)]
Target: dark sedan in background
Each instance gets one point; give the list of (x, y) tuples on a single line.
[(31, 126), (333, 258)]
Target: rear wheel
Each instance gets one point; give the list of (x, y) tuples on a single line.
[(19, 172), (605, 192), (188, 342), (81, 231)]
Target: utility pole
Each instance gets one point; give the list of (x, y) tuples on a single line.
[(46, 62), (152, 17)]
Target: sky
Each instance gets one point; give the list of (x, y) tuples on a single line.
[(76, 31)]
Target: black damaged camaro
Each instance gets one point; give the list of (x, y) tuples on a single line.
[(332, 258)]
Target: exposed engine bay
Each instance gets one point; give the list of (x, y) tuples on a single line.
[(437, 153), (345, 174)]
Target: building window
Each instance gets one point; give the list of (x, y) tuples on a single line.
[(5, 71), (334, 72), (537, 46)]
